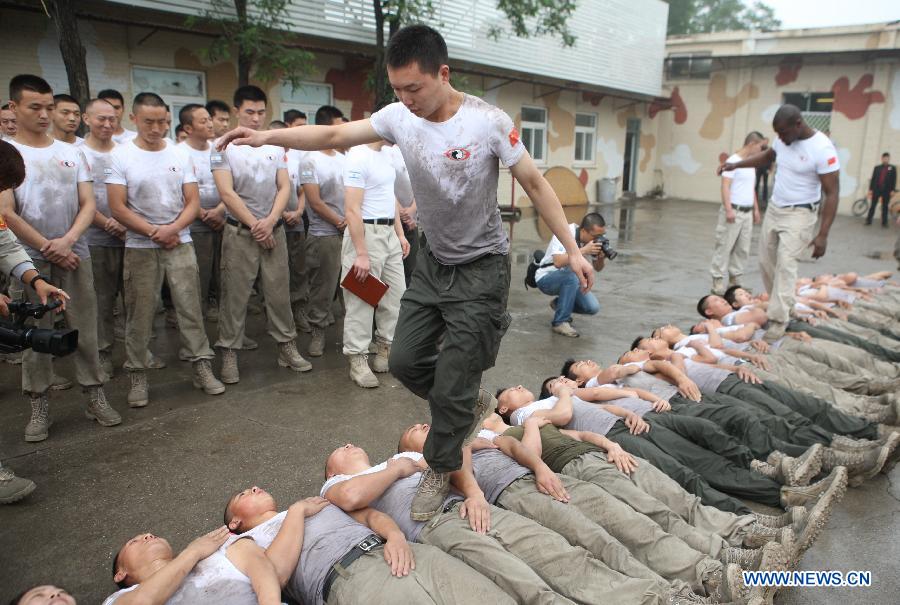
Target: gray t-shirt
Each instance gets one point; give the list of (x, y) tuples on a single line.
[(633, 404), (326, 171), (209, 195), (100, 163), (294, 158), (590, 417), (327, 537), (48, 197), (254, 171), (649, 382), (453, 167), (707, 377), (494, 471)]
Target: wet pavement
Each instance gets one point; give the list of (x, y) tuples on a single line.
[(170, 467)]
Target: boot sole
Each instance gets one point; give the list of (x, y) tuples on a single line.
[(857, 480), (90, 416), (138, 403), (813, 465), (315, 353), (36, 438), (18, 495), (214, 391), (303, 368), (482, 411), (65, 386), (821, 512)]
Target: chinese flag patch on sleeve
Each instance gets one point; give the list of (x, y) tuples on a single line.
[(832, 161), (513, 137), (2, 223)]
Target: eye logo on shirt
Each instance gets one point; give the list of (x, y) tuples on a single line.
[(174, 169), (67, 163), (270, 157), (458, 153)]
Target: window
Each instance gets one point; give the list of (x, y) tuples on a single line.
[(688, 67), (816, 107), (307, 97), (585, 132), (534, 132), (177, 87)]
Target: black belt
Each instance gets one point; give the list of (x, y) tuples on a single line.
[(371, 542), (744, 209), (806, 206), (378, 221), (240, 225)]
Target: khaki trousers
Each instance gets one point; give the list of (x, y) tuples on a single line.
[(386, 263), (437, 579), (107, 264), (144, 272), (786, 234), (323, 265), (208, 248), (611, 530), (732, 246), (242, 260), (299, 278), (651, 492), (80, 314), (869, 334), (842, 357), (534, 564)]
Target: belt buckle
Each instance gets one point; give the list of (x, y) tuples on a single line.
[(369, 543)]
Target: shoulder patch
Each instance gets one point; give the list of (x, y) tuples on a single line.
[(513, 137)]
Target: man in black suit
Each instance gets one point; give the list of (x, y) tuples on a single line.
[(882, 185)]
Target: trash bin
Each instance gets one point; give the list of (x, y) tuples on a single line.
[(606, 191)]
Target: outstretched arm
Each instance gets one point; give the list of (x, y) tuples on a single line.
[(360, 491), (308, 138), (251, 560)]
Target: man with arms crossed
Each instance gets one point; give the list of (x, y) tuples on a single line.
[(807, 164), (152, 190), (49, 212), (738, 214), (451, 142)]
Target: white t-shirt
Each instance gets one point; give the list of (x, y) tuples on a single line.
[(414, 456), (326, 171), (254, 171), (799, 166), (100, 164), (213, 581), (402, 186), (48, 197), (373, 171), (743, 184), (125, 136), (453, 168), (553, 248), (519, 417), (209, 195), (154, 181), (294, 159)]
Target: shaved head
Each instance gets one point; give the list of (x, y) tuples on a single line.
[(100, 104), (787, 114)]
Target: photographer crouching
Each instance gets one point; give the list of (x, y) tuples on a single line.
[(15, 262), (553, 276)]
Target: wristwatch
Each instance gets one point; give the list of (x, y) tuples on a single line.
[(35, 278)]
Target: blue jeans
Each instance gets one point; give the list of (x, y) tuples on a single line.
[(563, 284)]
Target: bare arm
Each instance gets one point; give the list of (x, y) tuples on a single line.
[(726, 199), (831, 189), (547, 481), (116, 195), (353, 201), (361, 491), (561, 413), (233, 202), (742, 334), (531, 436), (604, 393), (397, 552), (475, 507), (307, 138), (27, 234), (757, 160), (251, 561), (313, 194), (284, 551)]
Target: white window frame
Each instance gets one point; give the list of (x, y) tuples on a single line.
[(590, 134), (537, 127), (309, 110), (175, 102)]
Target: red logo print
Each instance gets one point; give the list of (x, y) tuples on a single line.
[(832, 160), (513, 137), (458, 153)]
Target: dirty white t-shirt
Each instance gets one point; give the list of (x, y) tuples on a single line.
[(293, 159), (209, 195), (453, 167), (326, 171), (254, 171), (154, 181), (125, 136), (99, 163), (48, 198), (743, 183), (799, 166)]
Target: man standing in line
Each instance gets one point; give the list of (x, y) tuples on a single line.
[(49, 212), (115, 98), (881, 186), (106, 235), (66, 118), (255, 186), (452, 143), (322, 178), (7, 122), (738, 214), (294, 117), (152, 190), (220, 114), (807, 165)]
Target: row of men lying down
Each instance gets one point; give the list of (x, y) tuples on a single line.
[(617, 484)]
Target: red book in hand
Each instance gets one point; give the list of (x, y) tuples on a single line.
[(371, 290)]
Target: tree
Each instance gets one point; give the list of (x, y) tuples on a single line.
[(705, 16), (259, 31), (62, 13)]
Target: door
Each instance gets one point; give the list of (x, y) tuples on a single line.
[(632, 144)]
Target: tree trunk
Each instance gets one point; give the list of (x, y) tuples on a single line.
[(245, 60), (380, 81), (73, 54)]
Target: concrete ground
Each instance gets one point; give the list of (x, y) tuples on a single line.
[(170, 466)]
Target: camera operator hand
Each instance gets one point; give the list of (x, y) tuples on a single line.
[(46, 292), (4, 310), (592, 248)]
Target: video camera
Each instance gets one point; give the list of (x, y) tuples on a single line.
[(15, 336), (608, 250)]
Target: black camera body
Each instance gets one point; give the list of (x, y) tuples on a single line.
[(15, 336), (608, 251)]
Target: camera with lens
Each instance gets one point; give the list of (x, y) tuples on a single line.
[(15, 336), (608, 251)]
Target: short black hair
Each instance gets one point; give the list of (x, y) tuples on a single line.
[(636, 342), (216, 105), (277, 125), (111, 93), (701, 305), (499, 392), (186, 115), (592, 219), (94, 101), (545, 387), (787, 113), (249, 93), (753, 136), (729, 295), (4, 107), (293, 114), (885, 155), (12, 167), (567, 369), (179, 129), (147, 99), (420, 44), (29, 82), (66, 98), (327, 114), (227, 516), (115, 567)]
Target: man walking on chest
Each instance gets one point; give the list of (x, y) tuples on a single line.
[(451, 143), (807, 165), (881, 187)]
